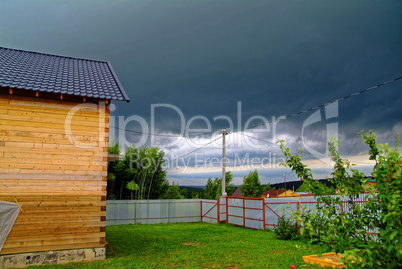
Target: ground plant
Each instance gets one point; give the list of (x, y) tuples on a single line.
[(348, 231), (196, 245), (287, 229)]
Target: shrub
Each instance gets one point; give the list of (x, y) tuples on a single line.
[(287, 229), (345, 232)]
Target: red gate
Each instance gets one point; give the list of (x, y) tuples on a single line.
[(245, 211)]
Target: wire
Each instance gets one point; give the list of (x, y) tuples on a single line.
[(352, 162), (164, 135), (259, 139), (184, 179), (304, 152), (269, 122), (89, 115), (142, 133), (322, 105), (196, 149)]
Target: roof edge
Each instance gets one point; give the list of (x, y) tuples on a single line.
[(56, 55), (127, 99)]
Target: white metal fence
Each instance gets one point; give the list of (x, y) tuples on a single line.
[(276, 206), (153, 211), (256, 213)]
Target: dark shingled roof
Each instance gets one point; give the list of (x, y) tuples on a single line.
[(58, 74)]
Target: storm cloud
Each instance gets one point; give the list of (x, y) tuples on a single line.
[(209, 58)]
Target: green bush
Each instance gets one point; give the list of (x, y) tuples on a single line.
[(345, 231), (287, 229)]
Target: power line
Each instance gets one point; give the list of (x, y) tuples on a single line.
[(259, 139), (322, 105), (164, 135), (196, 149), (304, 152), (269, 122), (253, 127), (352, 162), (184, 179)]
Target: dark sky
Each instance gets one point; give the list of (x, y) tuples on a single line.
[(209, 58)]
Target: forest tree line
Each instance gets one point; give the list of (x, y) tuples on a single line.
[(139, 175)]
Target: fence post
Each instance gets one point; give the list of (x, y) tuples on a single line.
[(169, 211), (244, 212), (218, 209), (135, 213), (297, 222), (263, 213), (227, 210), (201, 209)]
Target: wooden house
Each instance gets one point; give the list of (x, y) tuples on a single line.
[(287, 193), (54, 129), (278, 193)]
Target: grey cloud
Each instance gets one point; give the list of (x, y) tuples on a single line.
[(276, 57)]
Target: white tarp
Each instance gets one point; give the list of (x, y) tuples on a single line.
[(8, 214)]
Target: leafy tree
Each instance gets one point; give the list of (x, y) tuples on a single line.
[(229, 187), (190, 193), (173, 192), (114, 148), (210, 189), (251, 185), (213, 188), (345, 231), (305, 188), (132, 186), (267, 187), (140, 167)]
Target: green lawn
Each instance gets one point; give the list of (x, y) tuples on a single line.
[(196, 245)]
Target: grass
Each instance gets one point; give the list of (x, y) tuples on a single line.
[(196, 245)]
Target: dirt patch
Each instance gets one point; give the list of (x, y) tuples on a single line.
[(111, 250), (229, 266), (191, 244)]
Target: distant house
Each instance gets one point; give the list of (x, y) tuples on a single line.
[(283, 193), (54, 132), (272, 193), (304, 194), (370, 183), (237, 192), (288, 193)]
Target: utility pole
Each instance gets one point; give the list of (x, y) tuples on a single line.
[(284, 175), (224, 133)]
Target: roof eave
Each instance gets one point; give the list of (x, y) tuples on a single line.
[(125, 95)]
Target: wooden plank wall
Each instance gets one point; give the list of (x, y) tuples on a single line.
[(61, 187)]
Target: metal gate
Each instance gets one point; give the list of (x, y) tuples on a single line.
[(245, 211)]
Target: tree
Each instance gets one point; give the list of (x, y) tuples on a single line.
[(132, 186), (173, 192), (251, 186), (229, 187), (139, 175), (305, 188), (114, 148), (210, 189), (213, 189), (345, 231), (267, 187), (192, 193)]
